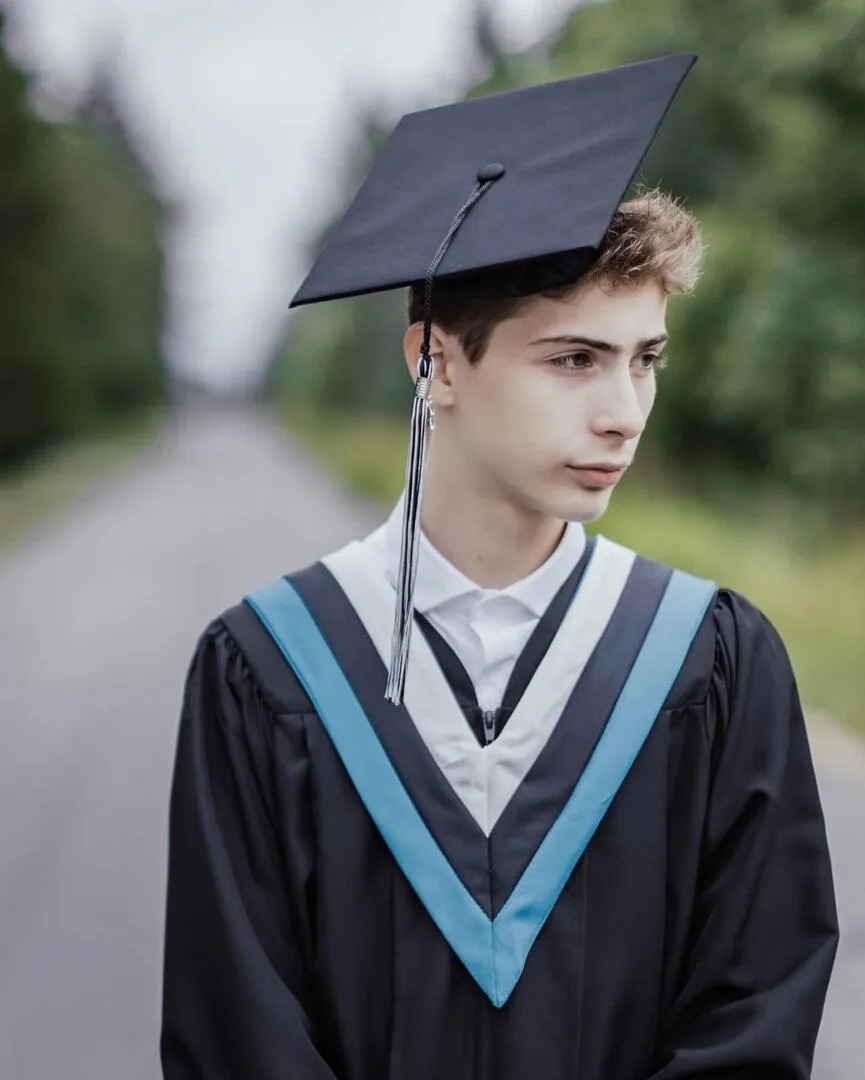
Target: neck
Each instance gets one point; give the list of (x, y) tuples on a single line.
[(489, 539)]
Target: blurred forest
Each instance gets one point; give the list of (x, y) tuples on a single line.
[(81, 272), (767, 145)]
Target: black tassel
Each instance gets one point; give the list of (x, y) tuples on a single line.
[(422, 421)]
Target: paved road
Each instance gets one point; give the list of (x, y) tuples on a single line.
[(99, 614)]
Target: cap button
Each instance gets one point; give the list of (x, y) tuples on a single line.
[(492, 171)]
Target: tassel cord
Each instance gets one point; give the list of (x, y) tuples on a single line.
[(422, 422), (479, 189)]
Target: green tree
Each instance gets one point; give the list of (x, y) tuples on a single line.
[(81, 277)]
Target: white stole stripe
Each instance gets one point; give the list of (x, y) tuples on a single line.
[(540, 708), (428, 697), (486, 777)]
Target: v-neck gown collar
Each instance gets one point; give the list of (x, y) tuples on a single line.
[(486, 777), (488, 834)]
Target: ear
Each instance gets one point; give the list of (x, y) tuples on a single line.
[(442, 348)]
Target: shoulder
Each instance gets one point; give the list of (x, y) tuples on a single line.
[(753, 674), (244, 637), (734, 643), (744, 635), (737, 683), (731, 619), (237, 650), (740, 676)]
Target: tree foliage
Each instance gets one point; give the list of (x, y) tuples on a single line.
[(81, 274), (767, 144)]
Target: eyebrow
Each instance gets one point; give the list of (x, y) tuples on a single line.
[(600, 346)]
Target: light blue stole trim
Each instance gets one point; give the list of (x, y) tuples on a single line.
[(453, 909), (493, 952), (680, 613)]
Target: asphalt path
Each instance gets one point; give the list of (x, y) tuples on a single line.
[(99, 614)]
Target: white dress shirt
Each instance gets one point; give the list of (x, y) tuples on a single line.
[(486, 628)]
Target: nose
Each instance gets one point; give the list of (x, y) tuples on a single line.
[(619, 410)]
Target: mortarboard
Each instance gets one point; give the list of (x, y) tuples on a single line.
[(484, 190)]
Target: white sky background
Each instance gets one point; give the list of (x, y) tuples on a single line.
[(245, 108)]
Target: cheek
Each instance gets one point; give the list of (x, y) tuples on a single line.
[(494, 398), (646, 390), (530, 420), (537, 391), (526, 405)]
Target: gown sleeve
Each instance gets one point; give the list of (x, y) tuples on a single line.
[(237, 999), (764, 926)]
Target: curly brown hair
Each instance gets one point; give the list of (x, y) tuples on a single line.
[(651, 237)]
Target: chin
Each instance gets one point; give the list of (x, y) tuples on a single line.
[(584, 506)]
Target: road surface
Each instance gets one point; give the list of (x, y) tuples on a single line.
[(99, 613)]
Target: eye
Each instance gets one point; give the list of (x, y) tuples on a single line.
[(652, 362), (572, 361)]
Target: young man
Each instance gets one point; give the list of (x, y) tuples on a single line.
[(573, 830)]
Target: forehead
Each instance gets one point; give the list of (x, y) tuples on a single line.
[(621, 316)]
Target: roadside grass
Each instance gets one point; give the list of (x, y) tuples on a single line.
[(810, 583), (56, 478)]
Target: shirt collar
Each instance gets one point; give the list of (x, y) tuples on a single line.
[(439, 581)]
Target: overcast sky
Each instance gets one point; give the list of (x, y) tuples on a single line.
[(245, 107)]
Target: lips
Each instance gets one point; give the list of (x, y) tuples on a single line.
[(602, 474)]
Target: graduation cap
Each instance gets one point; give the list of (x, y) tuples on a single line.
[(502, 192)]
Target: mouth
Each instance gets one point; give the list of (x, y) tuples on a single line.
[(599, 474)]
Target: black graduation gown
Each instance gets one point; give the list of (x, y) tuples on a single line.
[(694, 937)]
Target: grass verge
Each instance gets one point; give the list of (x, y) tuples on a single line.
[(57, 477), (811, 586)]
